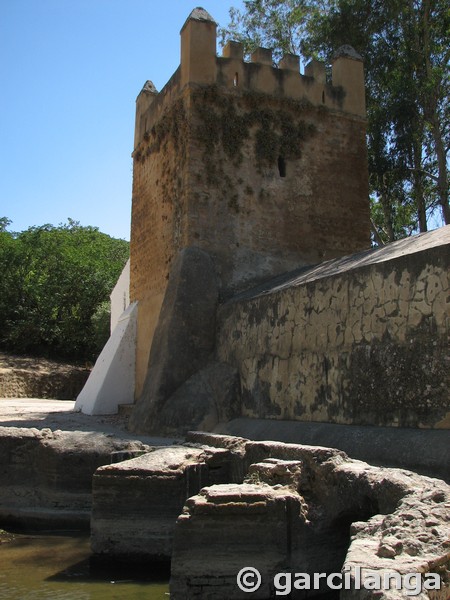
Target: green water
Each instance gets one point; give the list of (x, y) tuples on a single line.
[(56, 567)]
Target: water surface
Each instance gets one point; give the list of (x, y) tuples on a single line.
[(56, 567)]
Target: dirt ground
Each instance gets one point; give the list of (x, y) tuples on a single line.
[(37, 365), (31, 377), (54, 414), (59, 415), (19, 373)]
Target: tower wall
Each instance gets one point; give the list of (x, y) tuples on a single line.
[(262, 167)]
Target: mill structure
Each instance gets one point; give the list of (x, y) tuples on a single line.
[(262, 167), (258, 307), (269, 340)]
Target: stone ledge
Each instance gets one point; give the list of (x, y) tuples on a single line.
[(276, 506), (46, 476), (422, 242), (136, 502), (424, 451)]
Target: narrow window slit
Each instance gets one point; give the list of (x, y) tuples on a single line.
[(236, 79), (281, 166)]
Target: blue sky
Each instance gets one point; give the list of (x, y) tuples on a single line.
[(70, 73)]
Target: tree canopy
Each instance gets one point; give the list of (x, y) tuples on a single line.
[(405, 45), (55, 287)]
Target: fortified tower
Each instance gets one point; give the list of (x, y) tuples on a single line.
[(262, 167)]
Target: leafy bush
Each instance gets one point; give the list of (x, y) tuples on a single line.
[(54, 286)]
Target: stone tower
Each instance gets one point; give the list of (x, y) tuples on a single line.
[(260, 166)]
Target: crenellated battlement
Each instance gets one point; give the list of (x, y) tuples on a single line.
[(345, 92), (200, 65)]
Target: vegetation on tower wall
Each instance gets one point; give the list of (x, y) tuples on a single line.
[(226, 120), (406, 56)]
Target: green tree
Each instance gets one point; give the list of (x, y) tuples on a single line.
[(55, 281), (270, 24), (406, 52)]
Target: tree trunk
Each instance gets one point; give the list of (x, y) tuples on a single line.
[(442, 184), (418, 186), (387, 212), (376, 234), (432, 116)]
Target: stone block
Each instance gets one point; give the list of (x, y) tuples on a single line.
[(293, 514), (239, 525), (46, 476), (136, 502)]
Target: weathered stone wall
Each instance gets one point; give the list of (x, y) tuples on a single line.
[(184, 337), (159, 203), (258, 166), (239, 170), (262, 167), (46, 476), (359, 340)]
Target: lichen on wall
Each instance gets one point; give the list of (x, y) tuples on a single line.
[(367, 344)]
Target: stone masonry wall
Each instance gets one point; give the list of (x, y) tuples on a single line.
[(263, 191), (197, 182), (360, 340), (264, 168), (157, 230)]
